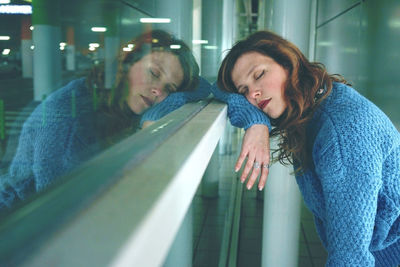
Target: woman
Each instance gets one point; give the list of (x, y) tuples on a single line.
[(345, 151), (83, 118)]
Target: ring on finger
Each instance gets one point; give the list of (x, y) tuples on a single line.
[(256, 165), (266, 166)]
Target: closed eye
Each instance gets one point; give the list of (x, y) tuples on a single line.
[(154, 73), (260, 75)]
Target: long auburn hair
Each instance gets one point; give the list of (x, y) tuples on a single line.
[(305, 79), (113, 116)]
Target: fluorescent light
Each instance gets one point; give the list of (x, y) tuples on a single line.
[(31, 28), (200, 41), (155, 20), (6, 51), (32, 47), (62, 47), (95, 45), (63, 44), (15, 9), (175, 46), (131, 46), (394, 23), (4, 38), (99, 29), (91, 48), (211, 47), (127, 49), (4, 1)]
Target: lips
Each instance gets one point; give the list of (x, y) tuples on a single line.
[(263, 103), (147, 101)]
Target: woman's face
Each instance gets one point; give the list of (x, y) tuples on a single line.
[(152, 79), (262, 81)]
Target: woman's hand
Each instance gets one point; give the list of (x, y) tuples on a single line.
[(255, 148)]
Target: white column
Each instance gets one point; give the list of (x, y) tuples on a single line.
[(181, 14), (281, 222), (196, 48), (291, 20), (46, 60), (212, 33), (46, 38)]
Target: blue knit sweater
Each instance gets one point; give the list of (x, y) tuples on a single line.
[(61, 133), (353, 189)]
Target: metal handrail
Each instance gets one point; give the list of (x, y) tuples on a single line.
[(116, 208), (151, 166)]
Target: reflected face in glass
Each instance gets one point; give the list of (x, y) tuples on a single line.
[(152, 79), (262, 81)]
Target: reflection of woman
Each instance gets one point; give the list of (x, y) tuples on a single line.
[(345, 151), (83, 117)]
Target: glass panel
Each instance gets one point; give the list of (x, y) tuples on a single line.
[(78, 77)]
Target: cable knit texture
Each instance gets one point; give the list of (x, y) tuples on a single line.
[(54, 139), (241, 113), (353, 189)]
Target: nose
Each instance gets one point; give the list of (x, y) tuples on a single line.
[(254, 92), (157, 91)]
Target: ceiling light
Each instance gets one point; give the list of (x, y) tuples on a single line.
[(155, 20), (6, 51), (200, 41), (4, 38), (99, 29), (15, 9)]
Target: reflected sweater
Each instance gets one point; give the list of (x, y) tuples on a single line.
[(353, 187)]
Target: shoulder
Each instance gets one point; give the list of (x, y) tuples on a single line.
[(352, 126)]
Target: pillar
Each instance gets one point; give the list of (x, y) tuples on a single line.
[(70, 55), (212, 33), (281, 223), (46, 53), (181, 14), (26, 51)]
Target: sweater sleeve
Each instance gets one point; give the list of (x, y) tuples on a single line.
[(241, 112), (175, 101), (349, 166)]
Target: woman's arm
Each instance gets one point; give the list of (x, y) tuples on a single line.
[(175, 101), (255, 145)]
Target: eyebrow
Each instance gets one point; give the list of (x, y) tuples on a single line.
[(248, 73)]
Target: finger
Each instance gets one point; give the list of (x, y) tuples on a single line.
[(263, 178), (247, 168), (240, 160), (253, 178)]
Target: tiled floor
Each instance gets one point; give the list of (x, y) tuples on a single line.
[(209, 221)]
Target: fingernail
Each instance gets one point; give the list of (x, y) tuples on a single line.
[(248, 187), (236, 170), (242, 181), (260, 188)]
